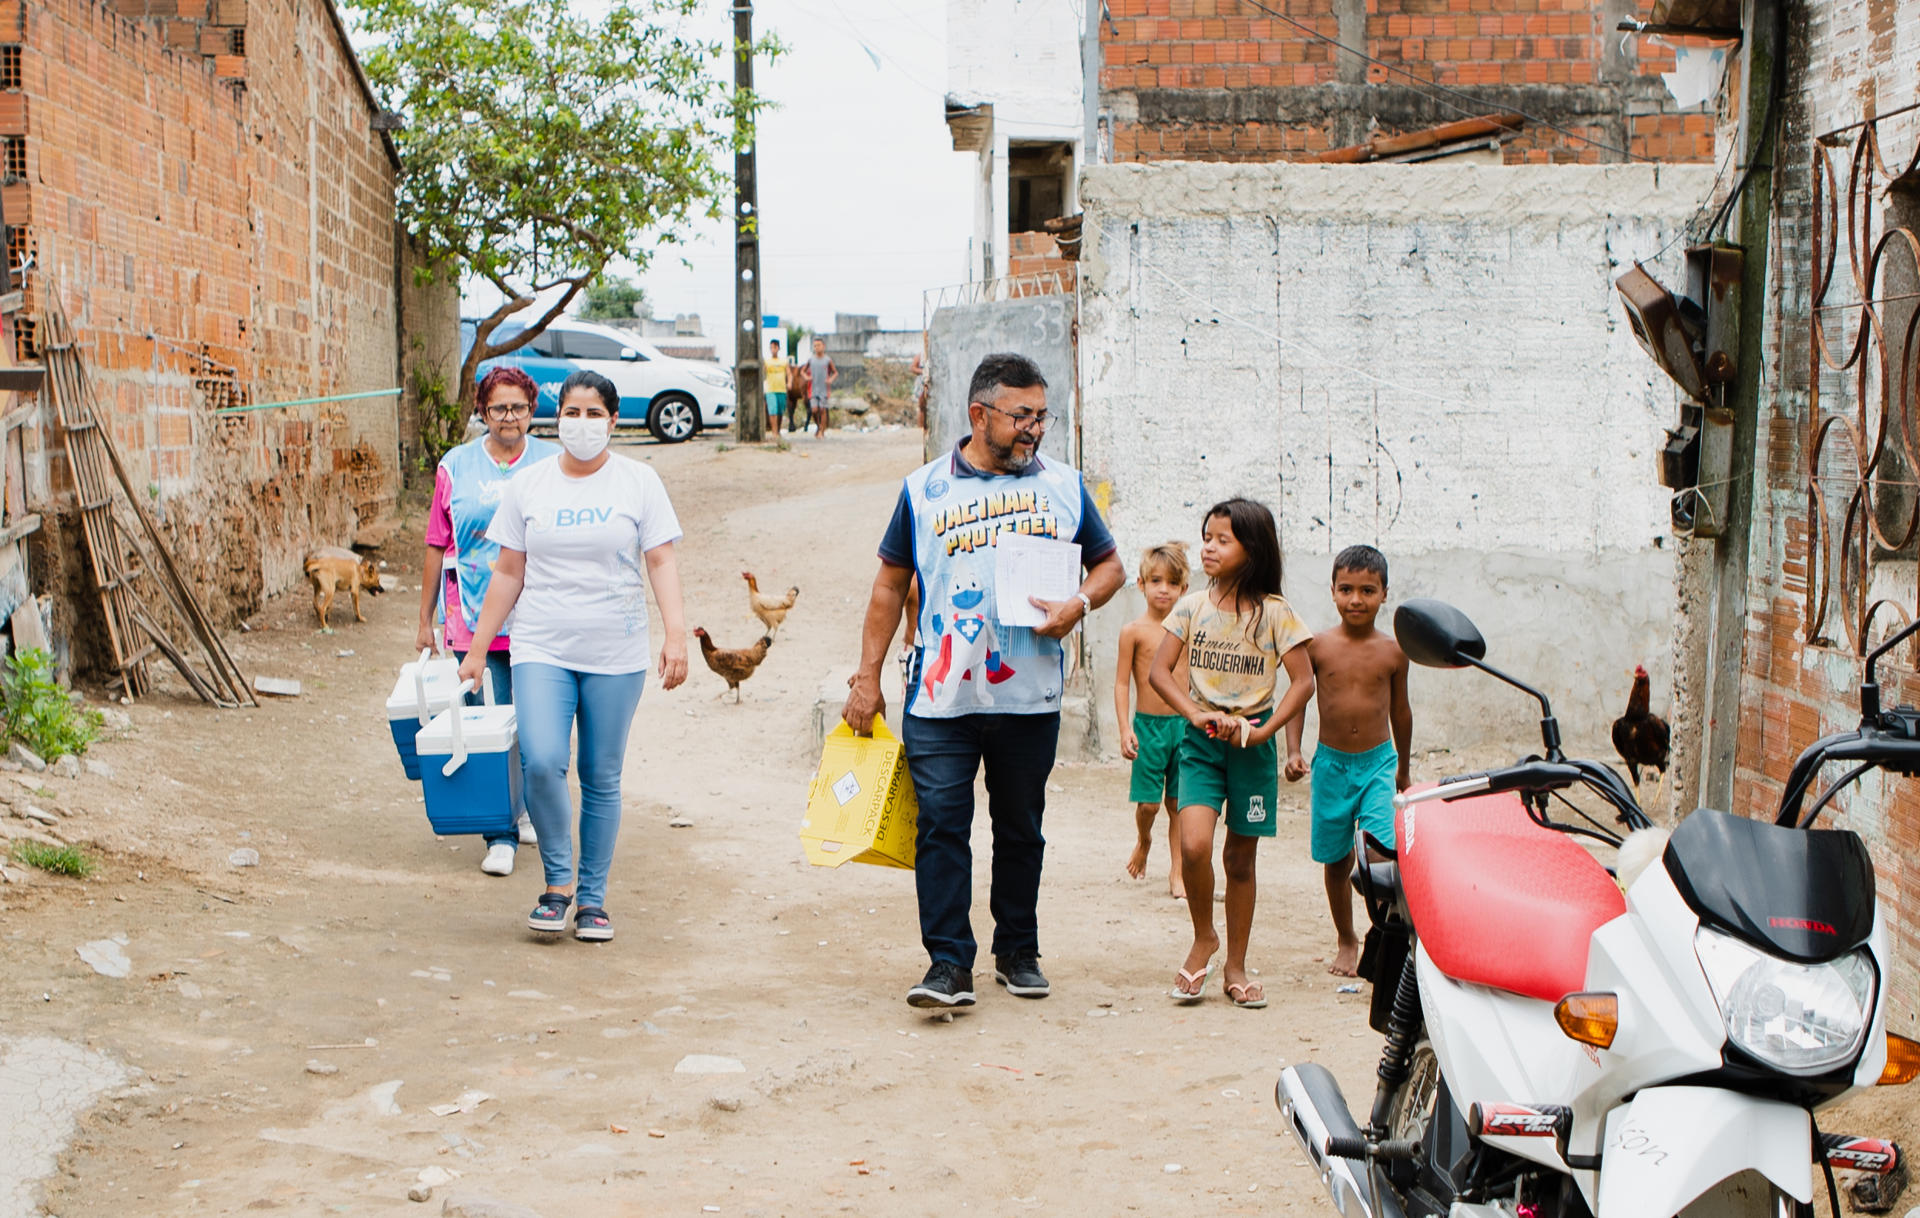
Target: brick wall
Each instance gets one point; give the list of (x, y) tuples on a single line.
[(1220, 80), (222, 231), (1039, 254), (1848, 61)]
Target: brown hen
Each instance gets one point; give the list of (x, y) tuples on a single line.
[(771, 610), (732, 665), (1640, 736)]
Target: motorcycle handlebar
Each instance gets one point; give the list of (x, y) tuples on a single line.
[(1527, 776), (1869, 747)]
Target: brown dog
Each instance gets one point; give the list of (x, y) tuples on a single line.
[(332, 569)]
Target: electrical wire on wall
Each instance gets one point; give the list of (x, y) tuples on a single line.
[(1433, 88), (1762, 147)]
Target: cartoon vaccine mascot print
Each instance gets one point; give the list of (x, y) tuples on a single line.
[(967, 645)]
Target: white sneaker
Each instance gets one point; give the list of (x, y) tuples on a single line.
[(527, 835), (499, 860)]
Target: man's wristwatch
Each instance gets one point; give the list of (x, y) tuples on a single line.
[(1086, 604)]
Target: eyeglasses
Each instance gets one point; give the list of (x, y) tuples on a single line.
[(1023, 421), (519, 411)]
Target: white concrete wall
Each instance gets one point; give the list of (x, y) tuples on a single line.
[(1023, 56), (1427, 358)]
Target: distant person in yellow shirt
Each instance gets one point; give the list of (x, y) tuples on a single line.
[(776, 382)]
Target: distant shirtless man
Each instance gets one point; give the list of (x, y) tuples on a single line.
[(1366, 735)]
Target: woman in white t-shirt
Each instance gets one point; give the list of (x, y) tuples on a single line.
[(574, 533)]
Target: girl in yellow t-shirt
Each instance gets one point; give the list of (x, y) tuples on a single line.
[(1238, 636)]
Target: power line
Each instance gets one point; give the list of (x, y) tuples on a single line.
[(1483, 106)]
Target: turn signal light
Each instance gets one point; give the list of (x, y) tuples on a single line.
[(1903, 1061), (1590, 1018)]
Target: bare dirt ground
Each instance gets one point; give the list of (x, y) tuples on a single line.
[(364, 944)]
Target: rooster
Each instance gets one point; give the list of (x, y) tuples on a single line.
[(1640, 736), (772, 610), (732, 665)]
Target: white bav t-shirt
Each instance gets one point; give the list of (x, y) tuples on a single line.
[(584, 603)]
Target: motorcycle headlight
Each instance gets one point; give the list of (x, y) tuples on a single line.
[(1797, 1018), (714, 376)]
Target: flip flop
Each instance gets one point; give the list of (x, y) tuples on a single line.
[(1247, 1004), (1186, 999)]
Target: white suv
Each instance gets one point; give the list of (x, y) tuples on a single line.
[(674, 398)]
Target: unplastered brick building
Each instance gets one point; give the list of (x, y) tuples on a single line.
[(1832, 562), (1234, 80), (1041, 91), (204, 185)]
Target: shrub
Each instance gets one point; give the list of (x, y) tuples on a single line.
[(38, 712), (60, 860)]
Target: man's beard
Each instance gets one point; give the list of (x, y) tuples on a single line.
[(1013, 458)]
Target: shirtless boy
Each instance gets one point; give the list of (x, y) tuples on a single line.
[(1366, 735), (1150, 734)]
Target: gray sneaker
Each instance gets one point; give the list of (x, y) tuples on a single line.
[(945, 985), (1021, 974)]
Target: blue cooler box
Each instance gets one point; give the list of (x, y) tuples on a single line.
[(425, 688), (480, 745)]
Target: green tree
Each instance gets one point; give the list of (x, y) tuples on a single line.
[(609, 297), (542, 140)]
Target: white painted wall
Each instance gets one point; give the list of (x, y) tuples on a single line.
[(1427, 358), (1023, 57)]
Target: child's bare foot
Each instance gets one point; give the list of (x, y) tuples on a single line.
[(1346, 961), (1137, 861), (1191, 981)]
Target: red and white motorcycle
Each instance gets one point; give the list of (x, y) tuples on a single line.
[(1559, 1048)]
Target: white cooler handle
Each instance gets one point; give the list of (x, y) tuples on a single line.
[(420, 685), (458, 712), (486, 685)]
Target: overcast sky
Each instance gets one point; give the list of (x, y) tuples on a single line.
[(864, 204)]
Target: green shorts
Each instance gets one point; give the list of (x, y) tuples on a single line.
[(776, 403), (1246, 781), (1352, 789), (1156, 768)]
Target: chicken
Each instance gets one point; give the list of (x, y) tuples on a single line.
[(771, 610), (1640, 736), (732, 665)]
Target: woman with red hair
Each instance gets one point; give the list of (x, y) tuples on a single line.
[(459, 558)]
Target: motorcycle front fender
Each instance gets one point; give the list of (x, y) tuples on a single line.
[(1669, 1145)]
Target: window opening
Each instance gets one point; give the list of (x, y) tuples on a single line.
[(1037, 184)]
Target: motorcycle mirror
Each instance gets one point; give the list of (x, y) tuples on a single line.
[(1436, 635)]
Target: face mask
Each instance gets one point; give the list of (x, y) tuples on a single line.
[(585, 438)]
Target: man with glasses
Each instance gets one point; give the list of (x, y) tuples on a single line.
[(980, 693)]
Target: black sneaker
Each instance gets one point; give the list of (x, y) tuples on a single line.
[(1021, 974), (945, 985)]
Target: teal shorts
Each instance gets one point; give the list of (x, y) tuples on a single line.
[(1156, 767), (1352, 789), (776, 403), (1246, 782)]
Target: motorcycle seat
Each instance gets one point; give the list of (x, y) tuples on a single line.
[(1499, 901)]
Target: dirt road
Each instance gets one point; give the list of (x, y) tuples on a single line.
[(362, 944), (358, 927)]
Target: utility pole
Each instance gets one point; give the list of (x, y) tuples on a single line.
[(749, 390), (1764, 24)]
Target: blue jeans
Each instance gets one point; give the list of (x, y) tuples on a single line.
[(501, 670), (551, 700), (943, 755)]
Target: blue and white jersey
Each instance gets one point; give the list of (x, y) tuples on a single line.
[(948, 520)]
